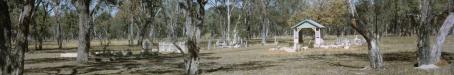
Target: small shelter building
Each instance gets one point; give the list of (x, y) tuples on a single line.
[(307, 24)]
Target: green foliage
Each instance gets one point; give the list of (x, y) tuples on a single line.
[(247, 17), (330, 13), (69, 23), (41, 29)]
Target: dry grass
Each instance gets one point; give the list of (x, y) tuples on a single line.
[(398, 53)]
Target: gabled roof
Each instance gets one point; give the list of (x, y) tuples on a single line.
[(308, 24)]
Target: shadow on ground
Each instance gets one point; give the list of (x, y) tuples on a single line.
[(340, 59), (135, 64), (252, 65)]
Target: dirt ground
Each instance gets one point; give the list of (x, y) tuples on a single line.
[(398, 53)]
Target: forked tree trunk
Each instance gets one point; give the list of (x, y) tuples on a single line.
[(192, 26), (375, 57), (142, 33), (84, 30), (424, 52), (6, 62), (22, 34), (192, 60), (21, 38), (445, 29)]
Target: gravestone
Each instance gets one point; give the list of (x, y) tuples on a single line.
[(145, 47), (71, 55), (169, 47)]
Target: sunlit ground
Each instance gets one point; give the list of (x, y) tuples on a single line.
[(398, 53)]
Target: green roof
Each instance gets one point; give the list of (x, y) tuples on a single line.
[(308, 24)]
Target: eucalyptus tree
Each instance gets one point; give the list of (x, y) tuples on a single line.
[(361, 20), (7, 64), (424, 32), (58, 12), (21, 44), (41, 24), (150, 9), (265, 21), (86, 25), (433, 55), (194, 13), (84, 30)]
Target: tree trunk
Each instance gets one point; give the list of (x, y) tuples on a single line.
[(192, 26), (143, 31), (442, 34), (424, 57), (265, 22), (59, 32), (191, 61), (84, 29), (375, 57), (59, 35), (41, 30), (6, 62), (229, 14), (40, 43), (131, 32), (21, 38)]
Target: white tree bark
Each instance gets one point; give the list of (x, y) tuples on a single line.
[(192, 27), (437, 48), (375, 57), (228, 21)]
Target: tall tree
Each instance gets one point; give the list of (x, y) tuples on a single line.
[(228, 4), (58, 28), (21, 44), (7, 63), (40, 27), (193, 22), (150, 9), (133, 12), (84, 29), (265, 20), (360, 22), (445, 29), (424, 31)]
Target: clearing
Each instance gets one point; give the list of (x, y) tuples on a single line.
[(398, 53)]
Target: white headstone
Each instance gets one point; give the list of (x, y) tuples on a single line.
[(68, 55)]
